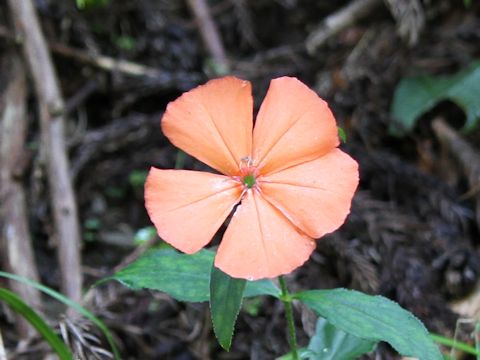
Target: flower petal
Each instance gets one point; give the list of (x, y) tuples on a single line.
[(213, 123), (293, 125), (260, 242), (315, 195), (188, 207)]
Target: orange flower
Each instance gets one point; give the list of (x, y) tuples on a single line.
[(292, 182)]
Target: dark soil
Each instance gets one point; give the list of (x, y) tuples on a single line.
[(411, 235)]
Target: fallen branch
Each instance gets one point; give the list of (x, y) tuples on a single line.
[(51, 108), (15, 241), (339, 21), (468, 157)]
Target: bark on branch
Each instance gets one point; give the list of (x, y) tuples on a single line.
[(53, 140), (15, 242)]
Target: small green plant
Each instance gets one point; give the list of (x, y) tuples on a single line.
[(193, 278), (27, 312), (19, 306), (415, 96)]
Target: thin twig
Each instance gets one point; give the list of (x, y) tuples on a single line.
[(106, 62), (15, 240), (339, 21), (52, 128), (209, 32), (155, 77)]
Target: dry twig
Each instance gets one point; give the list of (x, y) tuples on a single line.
[(339, 21), (209, 32), (106, 62), (53, 140)]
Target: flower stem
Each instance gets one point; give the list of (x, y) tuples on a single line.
[(287, 302)]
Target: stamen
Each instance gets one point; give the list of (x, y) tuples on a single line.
[(246, 162)]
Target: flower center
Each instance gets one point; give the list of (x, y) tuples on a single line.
[(248, 173)]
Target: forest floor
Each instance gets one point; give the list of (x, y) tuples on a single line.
[(412, 234)]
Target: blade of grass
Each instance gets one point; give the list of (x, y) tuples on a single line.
[(455, 344), (80, 309), (17, 304)]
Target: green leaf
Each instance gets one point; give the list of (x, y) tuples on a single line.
[(330, 343), (226, 294), (17, 304), (261, 287), (374, 318), (415, 96), (184, 277), (63, 299)]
